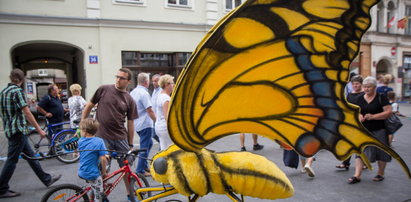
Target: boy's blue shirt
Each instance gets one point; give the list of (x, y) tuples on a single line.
[(88, 167)]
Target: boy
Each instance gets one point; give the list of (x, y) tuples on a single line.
[(89, 160)]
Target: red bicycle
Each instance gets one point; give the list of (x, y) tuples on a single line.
[(71, 192)]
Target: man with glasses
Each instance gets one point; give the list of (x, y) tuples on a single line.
[(115, 106)]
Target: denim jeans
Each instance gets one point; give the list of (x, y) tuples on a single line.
[(145, 143), (18, 144)]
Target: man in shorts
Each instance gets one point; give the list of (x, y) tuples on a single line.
[(115, 106)]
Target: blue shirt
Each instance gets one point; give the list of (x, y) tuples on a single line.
[(53, 105), (88, 168), (143, 102), (384, 90)]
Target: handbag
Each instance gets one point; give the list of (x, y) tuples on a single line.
[(290, 158), (392, 124)]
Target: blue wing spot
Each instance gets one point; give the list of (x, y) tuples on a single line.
[(326, 136), (322, 89), (334, 114), (328, 124), (326, 102), (316, 75), (295, 47)]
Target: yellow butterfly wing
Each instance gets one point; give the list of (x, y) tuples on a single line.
[(278, 69)]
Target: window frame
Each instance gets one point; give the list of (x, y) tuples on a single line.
[(130, 2), (232, 3), (407, 30), (189, 5)]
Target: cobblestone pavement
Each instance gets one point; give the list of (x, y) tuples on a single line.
[(328, 185)]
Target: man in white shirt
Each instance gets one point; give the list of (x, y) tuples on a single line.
[(144, 123), (156, 91)]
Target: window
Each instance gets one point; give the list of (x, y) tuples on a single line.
[(182, 58), (179, 3), (156, 60), (231, 4), (130, 1), (407, 62), (391, 15), (380, 17), (408, 13), (43, 72), (129, 58)]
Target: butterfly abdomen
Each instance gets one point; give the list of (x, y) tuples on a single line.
[(205, 171)]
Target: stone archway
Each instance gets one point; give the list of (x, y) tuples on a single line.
[(384, 66), (50, 62)]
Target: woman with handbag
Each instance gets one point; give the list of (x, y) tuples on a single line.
[(375, 108)]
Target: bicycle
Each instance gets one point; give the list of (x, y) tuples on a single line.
[(71, 192), (62, 142)]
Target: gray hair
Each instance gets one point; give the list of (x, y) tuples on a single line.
[(370, 80), (143, 78)]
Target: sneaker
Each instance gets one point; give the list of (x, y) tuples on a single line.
[(54, 179), (9, 194), (258, 147), (243, 149), (303, 170), (309, 171)]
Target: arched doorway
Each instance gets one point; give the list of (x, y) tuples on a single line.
[(49, 62), (383, 67)]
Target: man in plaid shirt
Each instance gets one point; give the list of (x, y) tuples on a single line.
[(14, 112)]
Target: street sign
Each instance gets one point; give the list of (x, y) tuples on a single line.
[(93, 59), (393, 51)]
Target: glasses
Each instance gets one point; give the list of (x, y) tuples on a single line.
[(120, 77)]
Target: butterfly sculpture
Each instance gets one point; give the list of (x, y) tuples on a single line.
[(276, 68)]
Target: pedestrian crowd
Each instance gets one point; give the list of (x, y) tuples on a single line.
[(120, 114)]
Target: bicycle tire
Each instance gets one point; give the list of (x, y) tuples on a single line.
[(38, 145), (134, 186), (57, 148), (63, 192)]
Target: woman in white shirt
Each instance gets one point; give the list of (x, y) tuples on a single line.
[(166, 82), (76, 105)]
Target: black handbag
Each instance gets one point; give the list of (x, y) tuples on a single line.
[(290, 158), (392, 124)]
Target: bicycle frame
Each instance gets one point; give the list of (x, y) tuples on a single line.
[(120, 173), (51, 126), (79, 195), (166, 190), (108, 188)]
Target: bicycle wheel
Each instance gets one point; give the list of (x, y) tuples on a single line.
[(134, 186), (63, 192), (37, 143), (66, 142)]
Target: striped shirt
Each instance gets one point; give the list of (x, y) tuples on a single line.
[(12, 100)]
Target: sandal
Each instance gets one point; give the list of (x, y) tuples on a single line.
[(353, 180), (343, 166), (378, 178)]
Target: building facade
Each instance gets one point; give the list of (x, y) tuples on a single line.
[(89, 40)]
